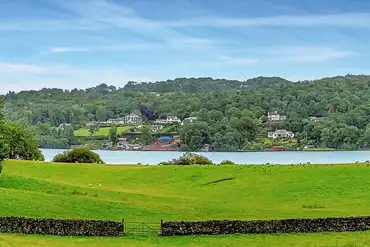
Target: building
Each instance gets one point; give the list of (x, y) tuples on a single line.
[(275, 116), (173, 119), (189, 120), (280, 134), (132, 119), (123, 145), (92, 123), (206, 148), (165, 139), (316, 119), (63, 125), (107, 145), (308, 147), (168, 120), (155, 128)]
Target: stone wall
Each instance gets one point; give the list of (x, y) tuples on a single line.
[(266, 226), (60, 227)]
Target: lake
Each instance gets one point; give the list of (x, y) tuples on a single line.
[(155, 157)]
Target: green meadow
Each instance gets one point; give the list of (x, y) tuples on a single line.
[(103, 131), (154, 193)]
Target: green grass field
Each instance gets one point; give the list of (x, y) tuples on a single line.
[(148, 193), (103, 131)]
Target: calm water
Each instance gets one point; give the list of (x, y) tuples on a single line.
[(154, 157)]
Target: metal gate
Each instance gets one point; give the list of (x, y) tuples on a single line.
[(142, 229)]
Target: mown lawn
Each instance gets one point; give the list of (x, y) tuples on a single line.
[(103, 131), (148, 193)]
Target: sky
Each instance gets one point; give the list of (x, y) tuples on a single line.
[(82, 43)]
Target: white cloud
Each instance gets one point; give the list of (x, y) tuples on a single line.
[(345, 20), (22, 68), (309, 53), (126, 47), (27, 77), (237, 60)]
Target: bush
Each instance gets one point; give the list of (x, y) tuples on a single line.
[(189, 159), (79, 155), (227, 162)]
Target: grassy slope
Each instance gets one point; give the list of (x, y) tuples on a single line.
[(103, 131), (150, 194)]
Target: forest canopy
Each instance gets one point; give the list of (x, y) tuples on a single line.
[(231, 114)]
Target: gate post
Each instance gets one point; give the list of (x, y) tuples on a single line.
[(123, 225)]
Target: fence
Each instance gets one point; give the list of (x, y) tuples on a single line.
[(142, 228)]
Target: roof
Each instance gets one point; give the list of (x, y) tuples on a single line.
[(165, 138), (282, 132), (133, 115)]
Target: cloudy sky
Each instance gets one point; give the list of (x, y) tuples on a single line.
[(81, 43)]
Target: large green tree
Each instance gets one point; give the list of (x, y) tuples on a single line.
[(146, 135), (113, 131), (3, 146), (20, 142)]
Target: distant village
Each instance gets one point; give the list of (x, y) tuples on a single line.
[(165, 141)]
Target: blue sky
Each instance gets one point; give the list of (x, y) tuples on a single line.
[(81, 43)]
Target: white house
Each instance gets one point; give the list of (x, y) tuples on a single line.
[(316, 119), (275, 116), (92, 123), (189, 120), (280, 134), (107, 145), (168, 120), (129, 119), (123, 145), (155, 128), (63, 125), (173, 119)]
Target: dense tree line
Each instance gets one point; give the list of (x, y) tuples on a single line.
[(231, 114)]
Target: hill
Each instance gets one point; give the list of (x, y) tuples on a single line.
[(232, 115), (204, 85), (149, 194)]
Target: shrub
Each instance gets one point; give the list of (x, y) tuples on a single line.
[(79, 155), (189, 159), (227, 162)]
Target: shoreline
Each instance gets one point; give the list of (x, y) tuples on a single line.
[(244, 151)]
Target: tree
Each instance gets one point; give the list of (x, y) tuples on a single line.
[(3, 145), (101, 114), (93, 128), (146, 136), (20, 142), (195, 135), (67, 132), (113, 133)]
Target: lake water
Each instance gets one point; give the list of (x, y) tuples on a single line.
[(155, 157)]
